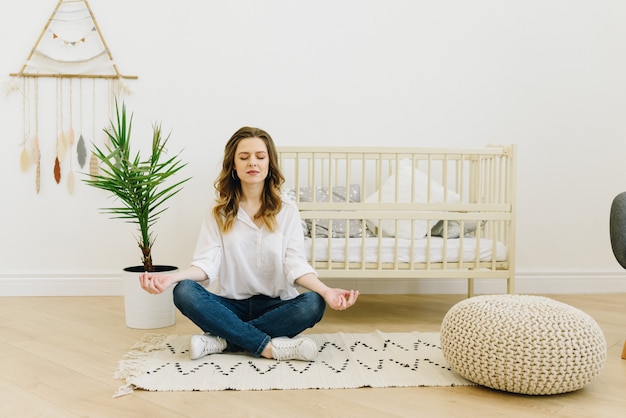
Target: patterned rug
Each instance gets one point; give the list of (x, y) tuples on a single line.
[(377, 359)]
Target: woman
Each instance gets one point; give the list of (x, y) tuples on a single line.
[(252, 245)]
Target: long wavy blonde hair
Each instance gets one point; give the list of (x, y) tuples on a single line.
[(228, 185)]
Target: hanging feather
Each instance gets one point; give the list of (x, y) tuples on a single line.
[(70, 182), (122, 88), (11, 87), (81, 151), (38, 177), (36, 155), (94, 170), (62, 147), (57, 170), (70, 135), (25, 160)]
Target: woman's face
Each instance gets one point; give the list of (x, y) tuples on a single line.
[(252, 160)]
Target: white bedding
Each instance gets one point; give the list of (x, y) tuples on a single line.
[(388, 249)]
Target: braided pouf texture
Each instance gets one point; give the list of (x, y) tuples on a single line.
[(523, 344)]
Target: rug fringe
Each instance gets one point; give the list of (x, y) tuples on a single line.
[(130, 365), (124, 390)]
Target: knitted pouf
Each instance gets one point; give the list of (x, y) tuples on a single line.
[(523, 344)]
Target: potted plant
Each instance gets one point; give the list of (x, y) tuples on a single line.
[(142, 187)]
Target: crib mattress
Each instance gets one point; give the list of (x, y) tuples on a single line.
[(433, 249)]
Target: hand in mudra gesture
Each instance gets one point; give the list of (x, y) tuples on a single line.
[(155, 283), (340, 299)]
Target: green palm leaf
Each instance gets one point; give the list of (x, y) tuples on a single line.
[(139, 185)]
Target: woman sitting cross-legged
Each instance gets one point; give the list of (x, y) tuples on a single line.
[(251, 244)]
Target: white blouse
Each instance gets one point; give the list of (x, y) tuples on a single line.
[(249, 260)]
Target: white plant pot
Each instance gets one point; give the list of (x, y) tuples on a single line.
[(144, 310)]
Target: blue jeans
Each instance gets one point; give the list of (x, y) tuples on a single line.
[(248, 324)]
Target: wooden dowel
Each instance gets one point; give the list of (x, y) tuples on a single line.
[(59, 75)]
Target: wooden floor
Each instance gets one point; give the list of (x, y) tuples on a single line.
[(58, 354)]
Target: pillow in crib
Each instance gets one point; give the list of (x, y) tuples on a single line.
[(338, 195), (454, 228), (387, 194)]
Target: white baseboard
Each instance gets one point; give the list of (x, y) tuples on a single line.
[(526, 282), (61, 285)]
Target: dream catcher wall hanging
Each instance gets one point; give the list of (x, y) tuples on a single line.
[(69, 84)]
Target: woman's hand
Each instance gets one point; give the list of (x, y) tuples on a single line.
[(155, 283), (340, 299)]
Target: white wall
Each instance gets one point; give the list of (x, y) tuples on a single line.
[(549, 76)]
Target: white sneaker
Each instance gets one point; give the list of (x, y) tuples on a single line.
[(300, 348), (204, 344)]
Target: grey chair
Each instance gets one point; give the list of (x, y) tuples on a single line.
[(617, 230)]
